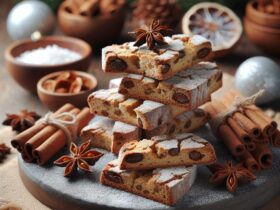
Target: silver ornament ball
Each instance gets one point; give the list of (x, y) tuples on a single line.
[(28, 17), (259, 73)]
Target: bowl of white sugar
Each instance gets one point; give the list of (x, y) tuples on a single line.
[(28, 61)]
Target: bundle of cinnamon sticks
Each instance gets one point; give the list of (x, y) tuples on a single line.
[(41, 142), (246, 132)]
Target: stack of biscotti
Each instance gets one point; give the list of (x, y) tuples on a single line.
[(162, 168), (144, 116), (160, 94)]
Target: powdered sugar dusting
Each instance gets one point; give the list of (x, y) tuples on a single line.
[(166, 174), (198, 40), (168, 144), (115, 83), (121, 127), (167, 55), (189, 143)]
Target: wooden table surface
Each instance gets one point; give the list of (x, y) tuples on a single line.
[(13, 98)]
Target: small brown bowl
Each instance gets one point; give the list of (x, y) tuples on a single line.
[(55, 100), (98, 31), (266, 38), (261, 18), (27, 75)]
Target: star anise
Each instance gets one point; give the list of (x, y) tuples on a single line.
[(4, 150), (230, 174), (81, 157), (22, 121), (153, 35)]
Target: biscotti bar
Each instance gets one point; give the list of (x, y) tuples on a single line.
[(180, 52), (109, 134), (186, 122), (166, 151), (163, 185), (189, 88), (144, 114)]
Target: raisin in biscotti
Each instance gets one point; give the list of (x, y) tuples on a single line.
[(166, 151), (109, 134), (189, 88), (144, 114), (186, 122), (166, 185), (162, 63)]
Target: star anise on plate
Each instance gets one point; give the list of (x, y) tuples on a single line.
[(230, 174), (81, 158), (22, 121), (4, 150), (152, 35)]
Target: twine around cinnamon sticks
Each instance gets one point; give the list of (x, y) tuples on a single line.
[(43, 140), (244, 128)]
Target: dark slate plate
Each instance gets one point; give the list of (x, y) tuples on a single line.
[(85, 192)]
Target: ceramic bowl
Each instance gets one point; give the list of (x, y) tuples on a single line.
[(261, 18), (55, 100), (98, 31), (266, 38), (27, 75)]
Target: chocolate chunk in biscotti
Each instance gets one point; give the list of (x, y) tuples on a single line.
[(116, 64), (113, 177), (204, 52), (180, 98), (166, 151), (134, 158), (165, 185), (195, 155)]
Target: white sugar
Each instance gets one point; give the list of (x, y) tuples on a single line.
[(49, 55)]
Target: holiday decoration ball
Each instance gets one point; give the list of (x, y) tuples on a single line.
[(259, 73), (28, 17)]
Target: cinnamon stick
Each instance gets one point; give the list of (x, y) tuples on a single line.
[(42, 135), (250, 146), (89, 8), (58, 140), (250, 127), (19, 140), (239, 131), (249, 162), (263, 156), (275, 139), (227, 135), (267, 128)]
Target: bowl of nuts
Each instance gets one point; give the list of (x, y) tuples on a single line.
[(99, 22), (59, 88)]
